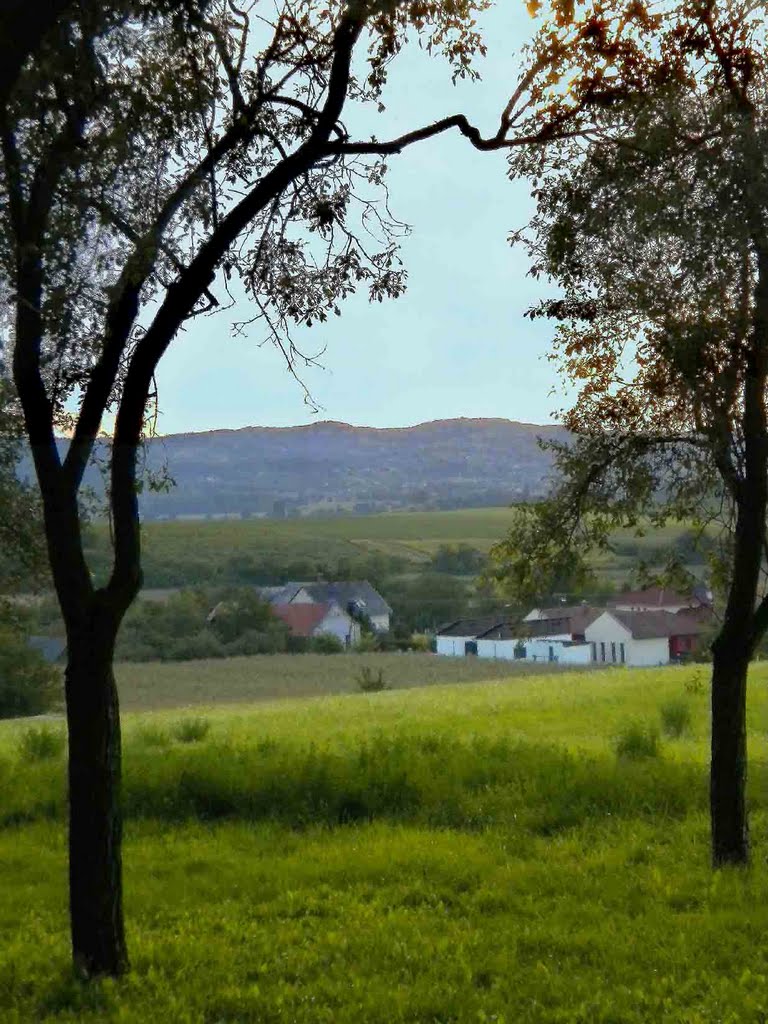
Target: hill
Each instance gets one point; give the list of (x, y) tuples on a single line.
[(331, 467)]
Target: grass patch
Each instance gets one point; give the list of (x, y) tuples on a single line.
[(461, 854), (191, 730), (41, 743), (675, 717), (637, 741)]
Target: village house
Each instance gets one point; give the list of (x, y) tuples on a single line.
[(357, 597), (644, 627), (312, 620)]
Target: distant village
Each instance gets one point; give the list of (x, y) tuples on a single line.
[(648, 627)]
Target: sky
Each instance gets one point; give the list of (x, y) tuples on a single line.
[(457, 343)]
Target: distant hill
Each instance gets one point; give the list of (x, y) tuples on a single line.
[(333, 467)]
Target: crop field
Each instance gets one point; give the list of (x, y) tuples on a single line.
[(411, 536), (460, 853)]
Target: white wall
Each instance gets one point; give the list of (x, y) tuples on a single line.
[(503, 649), (453, 646), (380, 623), (649, 652), (341, 625)]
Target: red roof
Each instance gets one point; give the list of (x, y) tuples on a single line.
[(653, 597), (301, 619)]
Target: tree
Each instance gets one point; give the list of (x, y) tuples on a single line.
[(156, 156), (653, 220)]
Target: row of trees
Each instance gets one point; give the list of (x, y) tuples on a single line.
[(157, 154)]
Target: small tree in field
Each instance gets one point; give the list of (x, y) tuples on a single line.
[(157, 157), (654, 222)]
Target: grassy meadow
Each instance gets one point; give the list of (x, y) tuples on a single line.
[(449, 853)]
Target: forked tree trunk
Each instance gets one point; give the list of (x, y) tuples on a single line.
[(728, 774), (95, 813)]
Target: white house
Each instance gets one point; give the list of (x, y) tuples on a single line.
[(311, 620), (643, 638), (462, 636), (499, 642), (357, 597)]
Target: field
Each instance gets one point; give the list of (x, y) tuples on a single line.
[(267, 677), (464, 853), (196, 551)]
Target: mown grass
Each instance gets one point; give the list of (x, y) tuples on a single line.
[(468, 853), (266, 677)]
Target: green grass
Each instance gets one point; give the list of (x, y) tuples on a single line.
[(466, 853)]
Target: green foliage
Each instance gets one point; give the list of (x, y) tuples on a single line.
[(637, 741), (240, 610), (368, 682), (458, 559), (28, 684), (191, 730), (326, 643), (42, 743), (675, 717)]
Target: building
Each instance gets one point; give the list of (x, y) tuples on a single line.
[(645, 638), (310, 620), (459, 637), (661, 599), (357, 597)]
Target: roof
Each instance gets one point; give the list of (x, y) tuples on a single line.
[(343, 592), (500, 631), (648, 625), (654, 597), (471, 627), (52, 648), (573, 619), (302, 619)]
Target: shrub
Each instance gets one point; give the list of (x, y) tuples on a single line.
[(675, 718), (152, 736), (28, 684), (637, 742), (370, 683), (191, 730), (41, 743), (254, 641), (204, 644), (326, 643)]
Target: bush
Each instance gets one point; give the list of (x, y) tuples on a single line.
[(42, 743), (637, 742), (191, 730), (192, 648), (254, 641), (28, 684), (370, 683), (326, 643), (675, 718)]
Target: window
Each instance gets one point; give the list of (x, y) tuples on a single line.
[(621, 653), (602, 651), (593, 645), (613, 652)]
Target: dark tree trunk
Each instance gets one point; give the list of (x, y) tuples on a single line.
[(728, 775), (95, 814)]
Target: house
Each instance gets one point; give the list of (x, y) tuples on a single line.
[(622, 637), (310, 620), (563, 622), (501, 641), (356, 597), (460, 637)]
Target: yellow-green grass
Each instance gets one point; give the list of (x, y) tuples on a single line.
[(494, 861), (266, 677)]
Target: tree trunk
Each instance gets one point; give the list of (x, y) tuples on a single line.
[(728, 775), (95, 814)]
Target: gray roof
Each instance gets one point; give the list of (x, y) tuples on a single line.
[(343, 593), (52, 648), (650, 625), (470, 627), (500, 631)]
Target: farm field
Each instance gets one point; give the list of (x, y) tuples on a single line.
[(464, 853), (274, 676), (202, 548)]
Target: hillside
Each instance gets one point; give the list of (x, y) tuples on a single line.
[(330, 467)]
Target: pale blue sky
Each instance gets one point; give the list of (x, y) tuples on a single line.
[(456, 344)]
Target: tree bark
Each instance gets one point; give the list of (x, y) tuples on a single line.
[(95, 811), (728, 774)]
